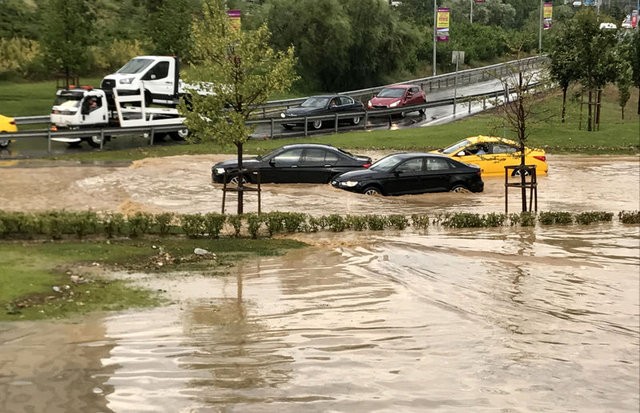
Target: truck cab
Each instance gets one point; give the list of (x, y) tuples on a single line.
[(156, 76), (80, 107)]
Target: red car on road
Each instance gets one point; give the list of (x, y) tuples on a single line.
[(398, 96)]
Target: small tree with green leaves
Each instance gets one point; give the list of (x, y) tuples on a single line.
[(241, 72)]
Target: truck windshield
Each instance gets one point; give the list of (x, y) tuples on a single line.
[(68, 101), (135, 66)]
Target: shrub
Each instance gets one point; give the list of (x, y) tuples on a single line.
[(213, 224), (494, 220), (356, 222), (586, 218), (163, 222), (420, 221), (398, 221), (555, 218), (192, 225), (274, 222), (629, 217), (236, 223), (376, 222), (294, 221), (463, 220), (254, 221), (336, 223), (83, 223), (139, 223), (114, 223)]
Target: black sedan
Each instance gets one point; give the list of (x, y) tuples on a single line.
[(321, 106), (412, 173), (300, 163)]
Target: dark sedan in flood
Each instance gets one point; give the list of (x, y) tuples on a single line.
[(323, 105), (299, 163), (412, 173)]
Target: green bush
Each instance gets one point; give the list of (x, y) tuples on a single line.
[(494, 220), (139, 223), (274, 222), (356, 222), (463, 220), (420, 221), (336, 223), (163, 222), (254, 221), (376, 222), (193, 225), (294, 221), (236, 222), (114, 223), (629, 217), (586, 218), (555, 218), (398, 221), (213, 224)]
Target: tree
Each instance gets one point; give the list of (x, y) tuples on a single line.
[(168, 26), (66, 35), (242, 71), (563, 66), (635, 61)]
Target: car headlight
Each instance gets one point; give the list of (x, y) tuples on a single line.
[(126, 80), (369, 104), (283, 115), (394, 104), (349, 184), (219, 171)]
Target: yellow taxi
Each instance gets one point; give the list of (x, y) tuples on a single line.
[(7, 125), (492, 154)]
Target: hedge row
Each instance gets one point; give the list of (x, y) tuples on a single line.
[(65, 224)]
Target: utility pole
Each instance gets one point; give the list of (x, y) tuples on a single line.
[(435, 24), (540, 29)]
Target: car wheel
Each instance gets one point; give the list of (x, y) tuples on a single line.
[(316, 124), (460, 188), (422, 112), (403, 114), (355, 121), (4, 143), (235, 180), (372, 191), (516, 172)]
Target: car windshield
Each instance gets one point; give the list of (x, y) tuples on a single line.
[(135, 66), (456, 147), (315, 102), (386, 164), (392, 92)]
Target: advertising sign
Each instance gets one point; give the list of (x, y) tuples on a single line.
[(442, 27), (634, 19), (234, 18), (547, 13)]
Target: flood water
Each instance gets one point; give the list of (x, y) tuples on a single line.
[(542, 319)]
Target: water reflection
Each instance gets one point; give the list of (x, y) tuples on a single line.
[(484, 320)]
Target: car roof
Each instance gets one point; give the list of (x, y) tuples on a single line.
[(309, 145), (406, 155), (484, 138)]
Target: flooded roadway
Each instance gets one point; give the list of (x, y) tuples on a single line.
[(542, 319)]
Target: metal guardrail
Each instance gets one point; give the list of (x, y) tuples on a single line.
[(471, 76)]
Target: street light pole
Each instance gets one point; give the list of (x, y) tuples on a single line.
[(471, 12), (435, 24), (540, 30)]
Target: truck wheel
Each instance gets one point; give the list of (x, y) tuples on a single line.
[(94, 141), (179, 135)]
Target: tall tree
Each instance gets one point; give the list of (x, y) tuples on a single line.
[(563, 66), (241, 70), (169, 26), (635, 61), (67, 33)]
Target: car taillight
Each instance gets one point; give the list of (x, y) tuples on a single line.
[(12, 122), (366, 165), (541, 158)]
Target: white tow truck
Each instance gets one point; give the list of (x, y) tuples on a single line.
[(85, 108)]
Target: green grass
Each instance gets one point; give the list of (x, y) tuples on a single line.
[(30, 271)]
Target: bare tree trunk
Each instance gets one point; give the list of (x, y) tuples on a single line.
[(590, 112), (598, 102), (240, 181), (564, 102)]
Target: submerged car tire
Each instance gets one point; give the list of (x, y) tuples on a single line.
[(516, 172), (372, 191), (4, 143), (355, 121), (460, 188), (316, 124), (236, 180)]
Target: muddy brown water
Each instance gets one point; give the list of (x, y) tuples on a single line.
[(542, 319)]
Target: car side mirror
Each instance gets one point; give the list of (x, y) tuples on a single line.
[(272, 162), (461, 153)]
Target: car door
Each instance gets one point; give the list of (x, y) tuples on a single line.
[(283, 167), (413, 96), (315, 165), (437, 175), (158, 79), (504, 155), (406, 178)]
